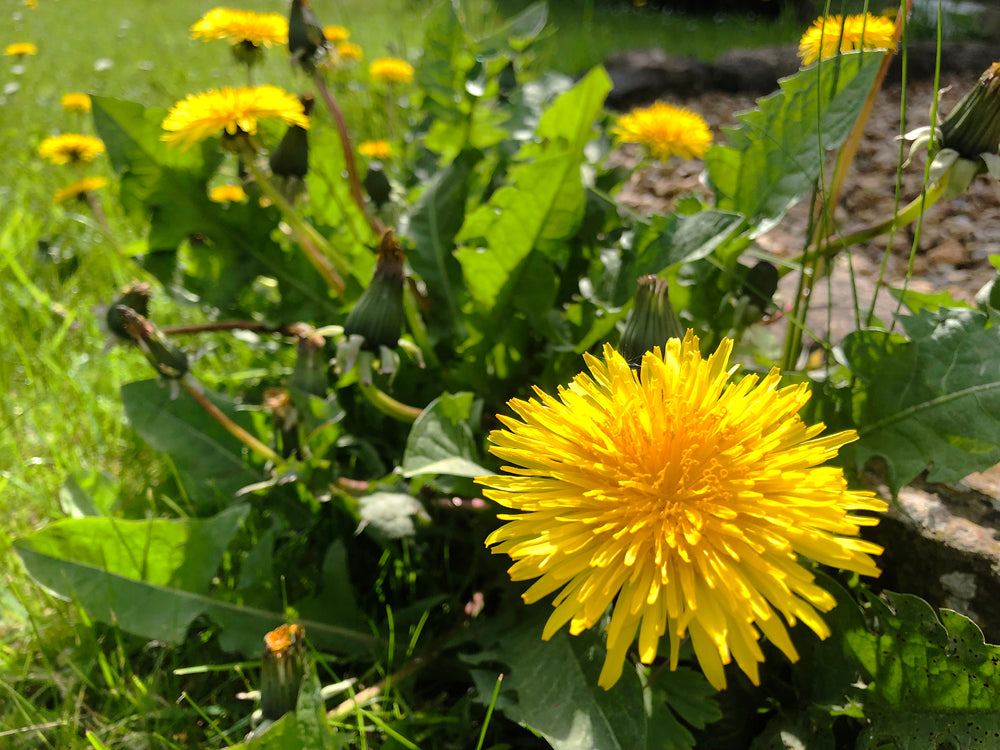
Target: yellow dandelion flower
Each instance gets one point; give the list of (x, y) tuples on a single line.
[(349, 51), (31, 3), (832, 34), (71, 148), (391, 70), (336, 34), (242, 27), (233, 111), (227, 194), (680, 499), (375, 149), (79, 189), (20, 49), (665, 131), (76, 103)]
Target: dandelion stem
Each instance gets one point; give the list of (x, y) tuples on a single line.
[(314, 245), (102, 218), (194, 388), (388, 405), (345, 141)]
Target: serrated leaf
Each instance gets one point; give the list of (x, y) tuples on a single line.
[(442, 440), (542, 202), (777, 152), (550, 687), (682, 694), (933, 680), (200, 447), (931, 401), (672, 240), (153, 578)]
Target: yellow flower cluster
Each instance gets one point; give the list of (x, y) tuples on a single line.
[(832, 34), (76, 103), (233, 111), (79, 189), (665, 131), (391, 70), (375, 149), (71, 148), (681, 500), (241, 26)]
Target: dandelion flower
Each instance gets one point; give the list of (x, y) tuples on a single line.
[(242, 26), (349, 51), (227, 194), (336, 34), (831, 34), (76, 103), (20, 49), (233, 111), (391, 70), (71, 148), (375, 149), (79, 189), (683, 500), (665, 131)]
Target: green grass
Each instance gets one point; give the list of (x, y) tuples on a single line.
[(60, 675)]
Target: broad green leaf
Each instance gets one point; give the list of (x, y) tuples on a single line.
[(932, 681), (433, 223), (543, 202), (209, 457), (92, 493), (550, 687), (442, 440), (153, 578), (672, 240), (518, 32), (932, 401), (777, 152)]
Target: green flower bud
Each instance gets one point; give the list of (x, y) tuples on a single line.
[(282, 670), (136, 297), (973, 126), (652, 322), (377, 184), (306, 42), (290, 157), (166, 359)]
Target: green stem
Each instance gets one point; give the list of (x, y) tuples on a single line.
[(314, 245), (230, 426), (388, 405)]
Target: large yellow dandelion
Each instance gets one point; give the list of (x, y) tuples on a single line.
[(242, 27), (680, 499), (233, 111), (831, 34), (391, 70), (71, 148), (79, 189), (665, 131)]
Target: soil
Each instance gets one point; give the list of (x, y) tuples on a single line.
[(956, 238)]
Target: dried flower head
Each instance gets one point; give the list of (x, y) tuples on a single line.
[(665, 131), (76, 102), (71, 148), (79, 189), (682, 501), (233, 111), (391, 70), (832, 34)]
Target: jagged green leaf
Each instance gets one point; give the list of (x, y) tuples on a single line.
[(671, 240), (680, 695), (777, 152), (929, 400), (932, 681), (442, 440), (542, 203)]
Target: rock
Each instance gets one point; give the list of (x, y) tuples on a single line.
[(754, 70), (949, 251), (642, 76)]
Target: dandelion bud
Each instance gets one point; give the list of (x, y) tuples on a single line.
[(652, 323), (377, 184), (306, 41), (973, 126), (290, 157), (166, 359), (134, 297), (309, 375), (282, 670)]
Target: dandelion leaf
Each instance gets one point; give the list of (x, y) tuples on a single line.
[(776, 153), (932, 678), (442, 439), (930, 400)]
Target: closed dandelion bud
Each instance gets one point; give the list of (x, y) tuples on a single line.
[(973, 126), (306, 40), (290, 157), (652, 322), (309, 375), (134, 297), (166, 359), (378, 315), (377, 184), (282, 670)]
